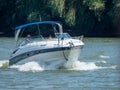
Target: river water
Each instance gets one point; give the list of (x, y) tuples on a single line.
[(98, 68)]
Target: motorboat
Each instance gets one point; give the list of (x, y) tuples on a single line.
[(41, 47)]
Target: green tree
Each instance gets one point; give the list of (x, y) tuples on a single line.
[(97, 6), (87, 17)]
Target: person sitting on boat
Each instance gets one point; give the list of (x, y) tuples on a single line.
[(50, 37), (28, 38)]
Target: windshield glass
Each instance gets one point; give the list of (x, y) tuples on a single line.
[(63, 35), (24, 41)]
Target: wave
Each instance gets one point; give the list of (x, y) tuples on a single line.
[(103, 61), (77, 65), (69, 65), (4, 64), (30, 66), (104, 56)]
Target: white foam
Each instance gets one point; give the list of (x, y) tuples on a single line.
[(104, 56), (77, 65), (30, 66), (4, 63), (101, 61), (69, 65), (74, 64)]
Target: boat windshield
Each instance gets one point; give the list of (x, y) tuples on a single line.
[(62, 35), (27, 40)]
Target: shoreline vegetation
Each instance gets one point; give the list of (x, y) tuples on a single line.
[(91, 18)]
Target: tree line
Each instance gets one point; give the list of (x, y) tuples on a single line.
[(79, 17)]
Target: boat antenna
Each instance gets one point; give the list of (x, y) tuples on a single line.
[(38, 29), (54, 28), (40, 19)]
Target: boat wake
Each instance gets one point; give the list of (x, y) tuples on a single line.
[(104, 56), (77, 65), (30, 66), (69, 65), (4, 64)]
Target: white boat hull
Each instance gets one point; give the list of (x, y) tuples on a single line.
[(42, 57), (46, 58), (45, 55)]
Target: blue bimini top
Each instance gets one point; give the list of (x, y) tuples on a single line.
[(35, 23)]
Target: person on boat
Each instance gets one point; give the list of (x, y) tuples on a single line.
[(50, 37), (28, 38)]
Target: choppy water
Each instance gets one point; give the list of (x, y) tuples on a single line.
[(98, 68)]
